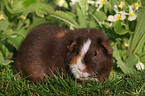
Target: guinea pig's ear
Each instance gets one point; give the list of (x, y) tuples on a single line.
[(108, 47), (72, 46)]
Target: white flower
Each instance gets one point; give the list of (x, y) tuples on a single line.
[(116, 8), (122, 4), (101, 3), (112, 18), (73, 2), (116, 17), (136, 6), (140, 66), (120, 15), (91, 2), (117, 11), (132, 15), (60, 2)]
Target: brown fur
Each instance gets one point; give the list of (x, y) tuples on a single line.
[(48, 48), (74, 59), (61, 34)]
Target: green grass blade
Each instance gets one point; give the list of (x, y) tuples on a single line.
[(139, 31), (140, 45)]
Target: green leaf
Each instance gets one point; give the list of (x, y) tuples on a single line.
[(6, 62), (139, 35), (120, 63), (81, 18), (23, 7), (101, 16), (5, 50), (4, 23), (143, 59), (143, 2), (42, 8), (19, 5), (27, 3), (16, 41), (15, 8), (139, 48), (36, 22), (114, 2), (108, 7), (92, 24), (14, 38), (131, 61), (81, 13), (67, 17), (130, 2), (119, 29), (1, 56)]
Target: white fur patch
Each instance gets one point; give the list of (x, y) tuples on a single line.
[(77, 69)]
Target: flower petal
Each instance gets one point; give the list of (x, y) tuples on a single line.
[(140, 66), (123, 17), (111, 18), (131, 18), (100, 6)]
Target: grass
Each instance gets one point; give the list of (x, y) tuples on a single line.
[(64, 85)]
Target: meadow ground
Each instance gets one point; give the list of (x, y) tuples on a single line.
[(63, 85)]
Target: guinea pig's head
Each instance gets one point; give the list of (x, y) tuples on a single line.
[(89, 55)]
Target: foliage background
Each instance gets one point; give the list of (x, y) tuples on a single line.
[(18, 17)]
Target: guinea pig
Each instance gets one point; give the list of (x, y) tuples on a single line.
[(82, 53)]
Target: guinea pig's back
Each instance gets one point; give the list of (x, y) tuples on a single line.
[(35, 54)]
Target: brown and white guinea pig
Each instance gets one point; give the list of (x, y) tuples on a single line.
[(84, 53)]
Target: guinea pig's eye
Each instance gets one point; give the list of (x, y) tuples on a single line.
[(78, 52), (95, 53)]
